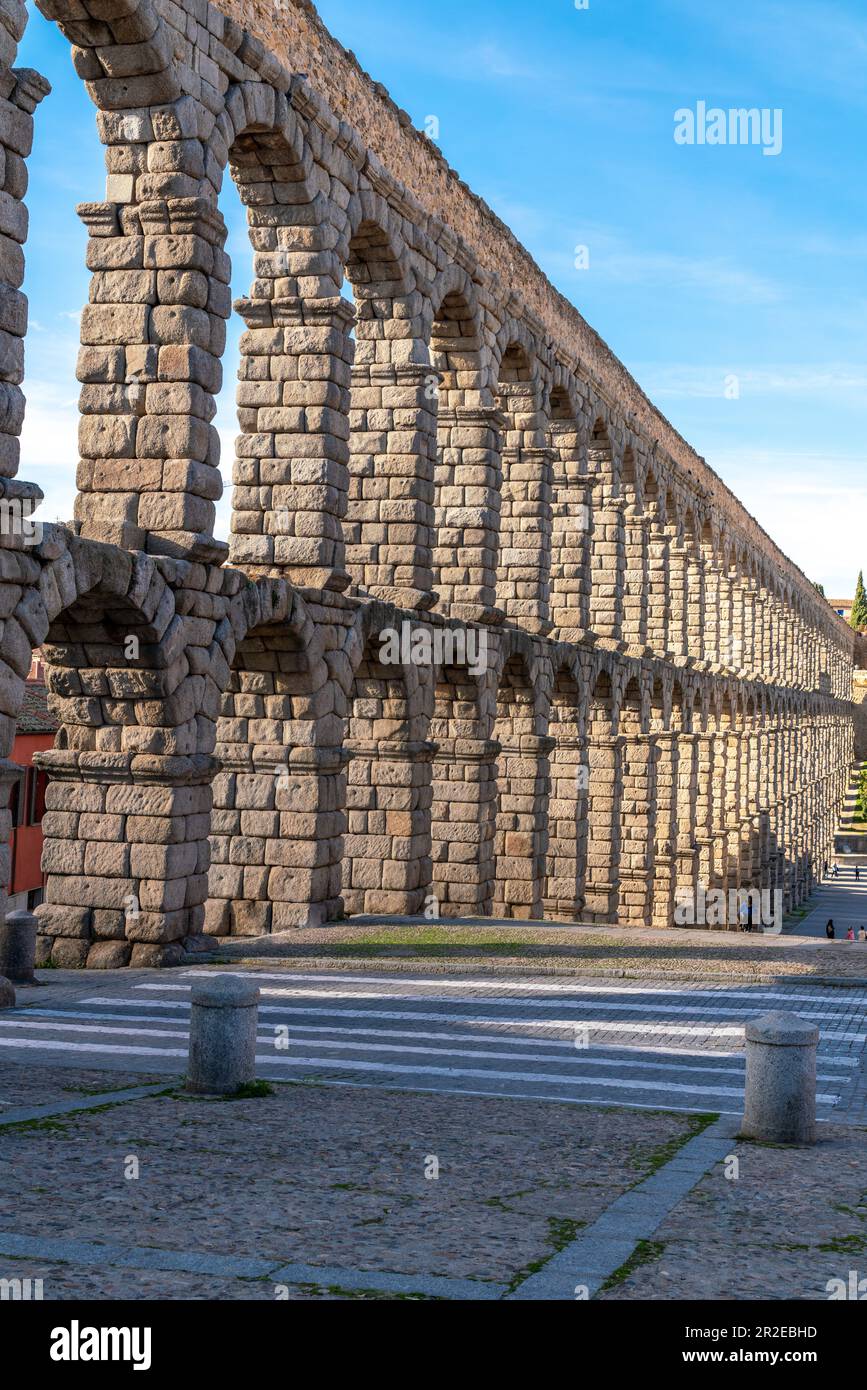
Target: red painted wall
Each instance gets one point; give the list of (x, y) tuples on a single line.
[(26, 840)]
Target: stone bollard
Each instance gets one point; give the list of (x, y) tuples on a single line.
[(18, 948), (780, 1097), (223, 1020)]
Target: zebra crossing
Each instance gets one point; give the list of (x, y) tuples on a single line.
[(641, 1045)]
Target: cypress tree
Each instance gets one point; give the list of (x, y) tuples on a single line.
[(859, 607)]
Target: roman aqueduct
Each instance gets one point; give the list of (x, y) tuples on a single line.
[(448, 453)]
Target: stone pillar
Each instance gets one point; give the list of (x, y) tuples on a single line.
[(567, 830), (467, 515), (638, 766), (152, 337), (608, 561), (704, 808), (732, 824), (521, 840), (603, 820), (291, 475), (726, 620), (387, 849), (712, 630), (389, 513), (570, 537), (678, 560), (751, 656), (635, 600), (463, 822), (523, 580), (687, 812), (696, 639), (719, 859), (126, 857), (658, 584), (277, 831), (738, 642), (664, 851), (21, 91)]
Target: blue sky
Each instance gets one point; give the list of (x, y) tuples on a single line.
[(705, 263)]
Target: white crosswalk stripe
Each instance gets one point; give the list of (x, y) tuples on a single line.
[(671, 1046)]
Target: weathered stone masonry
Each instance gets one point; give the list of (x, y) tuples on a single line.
[(665, 699)]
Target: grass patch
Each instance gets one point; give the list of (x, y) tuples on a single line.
[(845, 1245), (254, 1090), (645, 1253), (658, 1157), (561, 1232)]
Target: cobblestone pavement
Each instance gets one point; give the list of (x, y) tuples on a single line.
[(791, 1222), (311, 1192), (479, 944), (637, 1045)]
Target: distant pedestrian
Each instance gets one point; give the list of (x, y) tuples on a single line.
[(850, 935), (836, 870), (857, 873), (862, 935), (829, 930), (825, 869)]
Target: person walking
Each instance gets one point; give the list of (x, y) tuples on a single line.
[(862, 935), (829, 930), (850, 935), (857, 873), (836, 870), (825, 869)]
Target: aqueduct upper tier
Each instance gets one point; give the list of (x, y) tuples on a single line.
[(488, 637)]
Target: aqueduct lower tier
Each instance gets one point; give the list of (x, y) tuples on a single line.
[(489, 637)]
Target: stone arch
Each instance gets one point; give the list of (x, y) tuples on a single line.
[(134, 685), (275, 834)]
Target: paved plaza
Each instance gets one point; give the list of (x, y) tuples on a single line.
[(436, 1135)]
